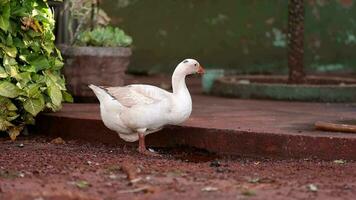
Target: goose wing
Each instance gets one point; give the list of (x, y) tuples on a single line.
[(137, 94)]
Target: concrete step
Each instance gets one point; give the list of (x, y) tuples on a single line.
[(228, 126)]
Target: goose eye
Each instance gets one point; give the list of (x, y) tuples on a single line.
[(195, 64)]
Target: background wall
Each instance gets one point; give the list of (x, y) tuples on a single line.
[(244, 35)]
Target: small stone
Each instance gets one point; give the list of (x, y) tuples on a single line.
[(346, 187), (136, 180), (312, 188), (215, 163), (21, 145), (244, 82), (112, 176), (254, 180), (220, 170), (21, 175), (58, 140), (209, 189), (340, 162)]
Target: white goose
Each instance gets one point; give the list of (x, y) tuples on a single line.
[(134, 111)]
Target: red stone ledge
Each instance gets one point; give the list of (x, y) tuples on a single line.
[(227, 126)]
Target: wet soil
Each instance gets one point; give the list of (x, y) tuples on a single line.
[(38, 168)]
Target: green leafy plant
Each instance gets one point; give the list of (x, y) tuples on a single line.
[(30, 79), (104, 36), (92, 26)]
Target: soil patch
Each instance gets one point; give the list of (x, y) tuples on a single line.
[(35, 168)]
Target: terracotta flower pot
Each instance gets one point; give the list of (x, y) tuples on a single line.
[(104, 66)]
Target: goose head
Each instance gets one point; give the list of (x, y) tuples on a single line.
[(189, 66)]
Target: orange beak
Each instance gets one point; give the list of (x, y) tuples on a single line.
[(201, 70)]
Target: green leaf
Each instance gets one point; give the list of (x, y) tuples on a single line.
[(48, 47), (19, 43), (248, 192), (55, 94), (33, 91), (23, 77), (5, 17), (11, 70), (4, 125), (7, 109), (28, 119), (34, 106), (39, 62), (5, 102), (10, 51), (82, 184), (56, 63), (38, 78), (12, 116), (9, 41), (10, 106), (67, 97), (54, 79), (19, 11), (8, 89), (3, 73), (2, 2), (34, 34), (9, 61), (28, 68)]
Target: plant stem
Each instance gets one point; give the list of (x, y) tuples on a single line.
[(92, 15), (296, 14)]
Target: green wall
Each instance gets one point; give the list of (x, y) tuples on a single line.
[(243, 35)]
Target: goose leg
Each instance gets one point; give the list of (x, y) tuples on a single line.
[(141, 143), (142, 147)]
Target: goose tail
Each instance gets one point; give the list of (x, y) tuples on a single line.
[(105, 98), (100, 92)]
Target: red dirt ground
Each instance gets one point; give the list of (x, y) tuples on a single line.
[(39, 169)]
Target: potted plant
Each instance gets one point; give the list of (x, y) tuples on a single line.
[(96, 53), (296, 86), (30, 78)]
